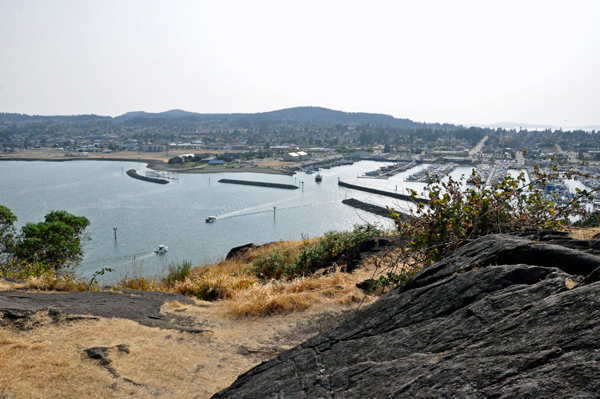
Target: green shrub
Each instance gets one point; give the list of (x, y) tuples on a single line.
[(206, 291), (457, 215), (591, 221), (23, 271), (289, 264), (272, 264), (178, 271)]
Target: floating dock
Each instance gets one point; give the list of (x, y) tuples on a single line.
[(260, 184)]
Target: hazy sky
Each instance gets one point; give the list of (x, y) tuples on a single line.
[(434, 61)]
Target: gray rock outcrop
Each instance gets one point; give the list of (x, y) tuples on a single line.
[(502, 317), (143, 307)]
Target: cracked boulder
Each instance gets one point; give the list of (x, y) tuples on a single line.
[(501, 317)]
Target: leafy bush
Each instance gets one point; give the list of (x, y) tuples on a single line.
[(289, 264), (592, 221), (7, 233), (178, 271), (273, 264), (456, 215), (23, 271)]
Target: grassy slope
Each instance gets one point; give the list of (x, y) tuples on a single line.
[(250, 324)]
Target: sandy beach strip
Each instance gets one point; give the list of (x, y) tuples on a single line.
[(156, 163)]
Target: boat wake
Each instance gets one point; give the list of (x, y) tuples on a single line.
[(248, 211), (142, 256), (241, 202)]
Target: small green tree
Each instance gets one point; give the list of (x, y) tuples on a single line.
[(7, 233), (55, 242)]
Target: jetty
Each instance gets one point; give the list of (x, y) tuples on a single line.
[(133, 173), (403, 197), (374, 209), (387, 171), (260, 184)]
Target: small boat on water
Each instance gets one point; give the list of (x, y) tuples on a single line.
[(211, 219), (318, 178), (161, 249)]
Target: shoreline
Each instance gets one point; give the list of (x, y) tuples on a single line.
[(158, 165)]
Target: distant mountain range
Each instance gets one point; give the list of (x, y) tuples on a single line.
[(297, 114), (316, 115)]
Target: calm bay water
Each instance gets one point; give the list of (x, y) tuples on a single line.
[(147, 215)]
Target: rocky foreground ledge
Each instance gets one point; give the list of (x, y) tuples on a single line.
[(502, 317), (143, 307)]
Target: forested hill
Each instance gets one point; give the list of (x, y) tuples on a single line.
[(314, 115), (324, 115), (297, 114), (20, 118)]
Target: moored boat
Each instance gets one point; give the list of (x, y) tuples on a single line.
[(318, 178)]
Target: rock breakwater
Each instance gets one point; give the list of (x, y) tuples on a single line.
[(381, 192), (133, 173), (374, 209), (260, 184)]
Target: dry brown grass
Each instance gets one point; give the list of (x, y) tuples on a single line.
[(141, 284), (49, 362), (275, 296), (230, 280), (584, 233), (250, 255), (50, 283), (7, 285), (247, 295)]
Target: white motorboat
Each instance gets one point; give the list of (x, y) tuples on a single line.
[(211, 219), (161, 249)]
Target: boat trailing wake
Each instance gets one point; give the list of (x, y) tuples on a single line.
[(244, 212)]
